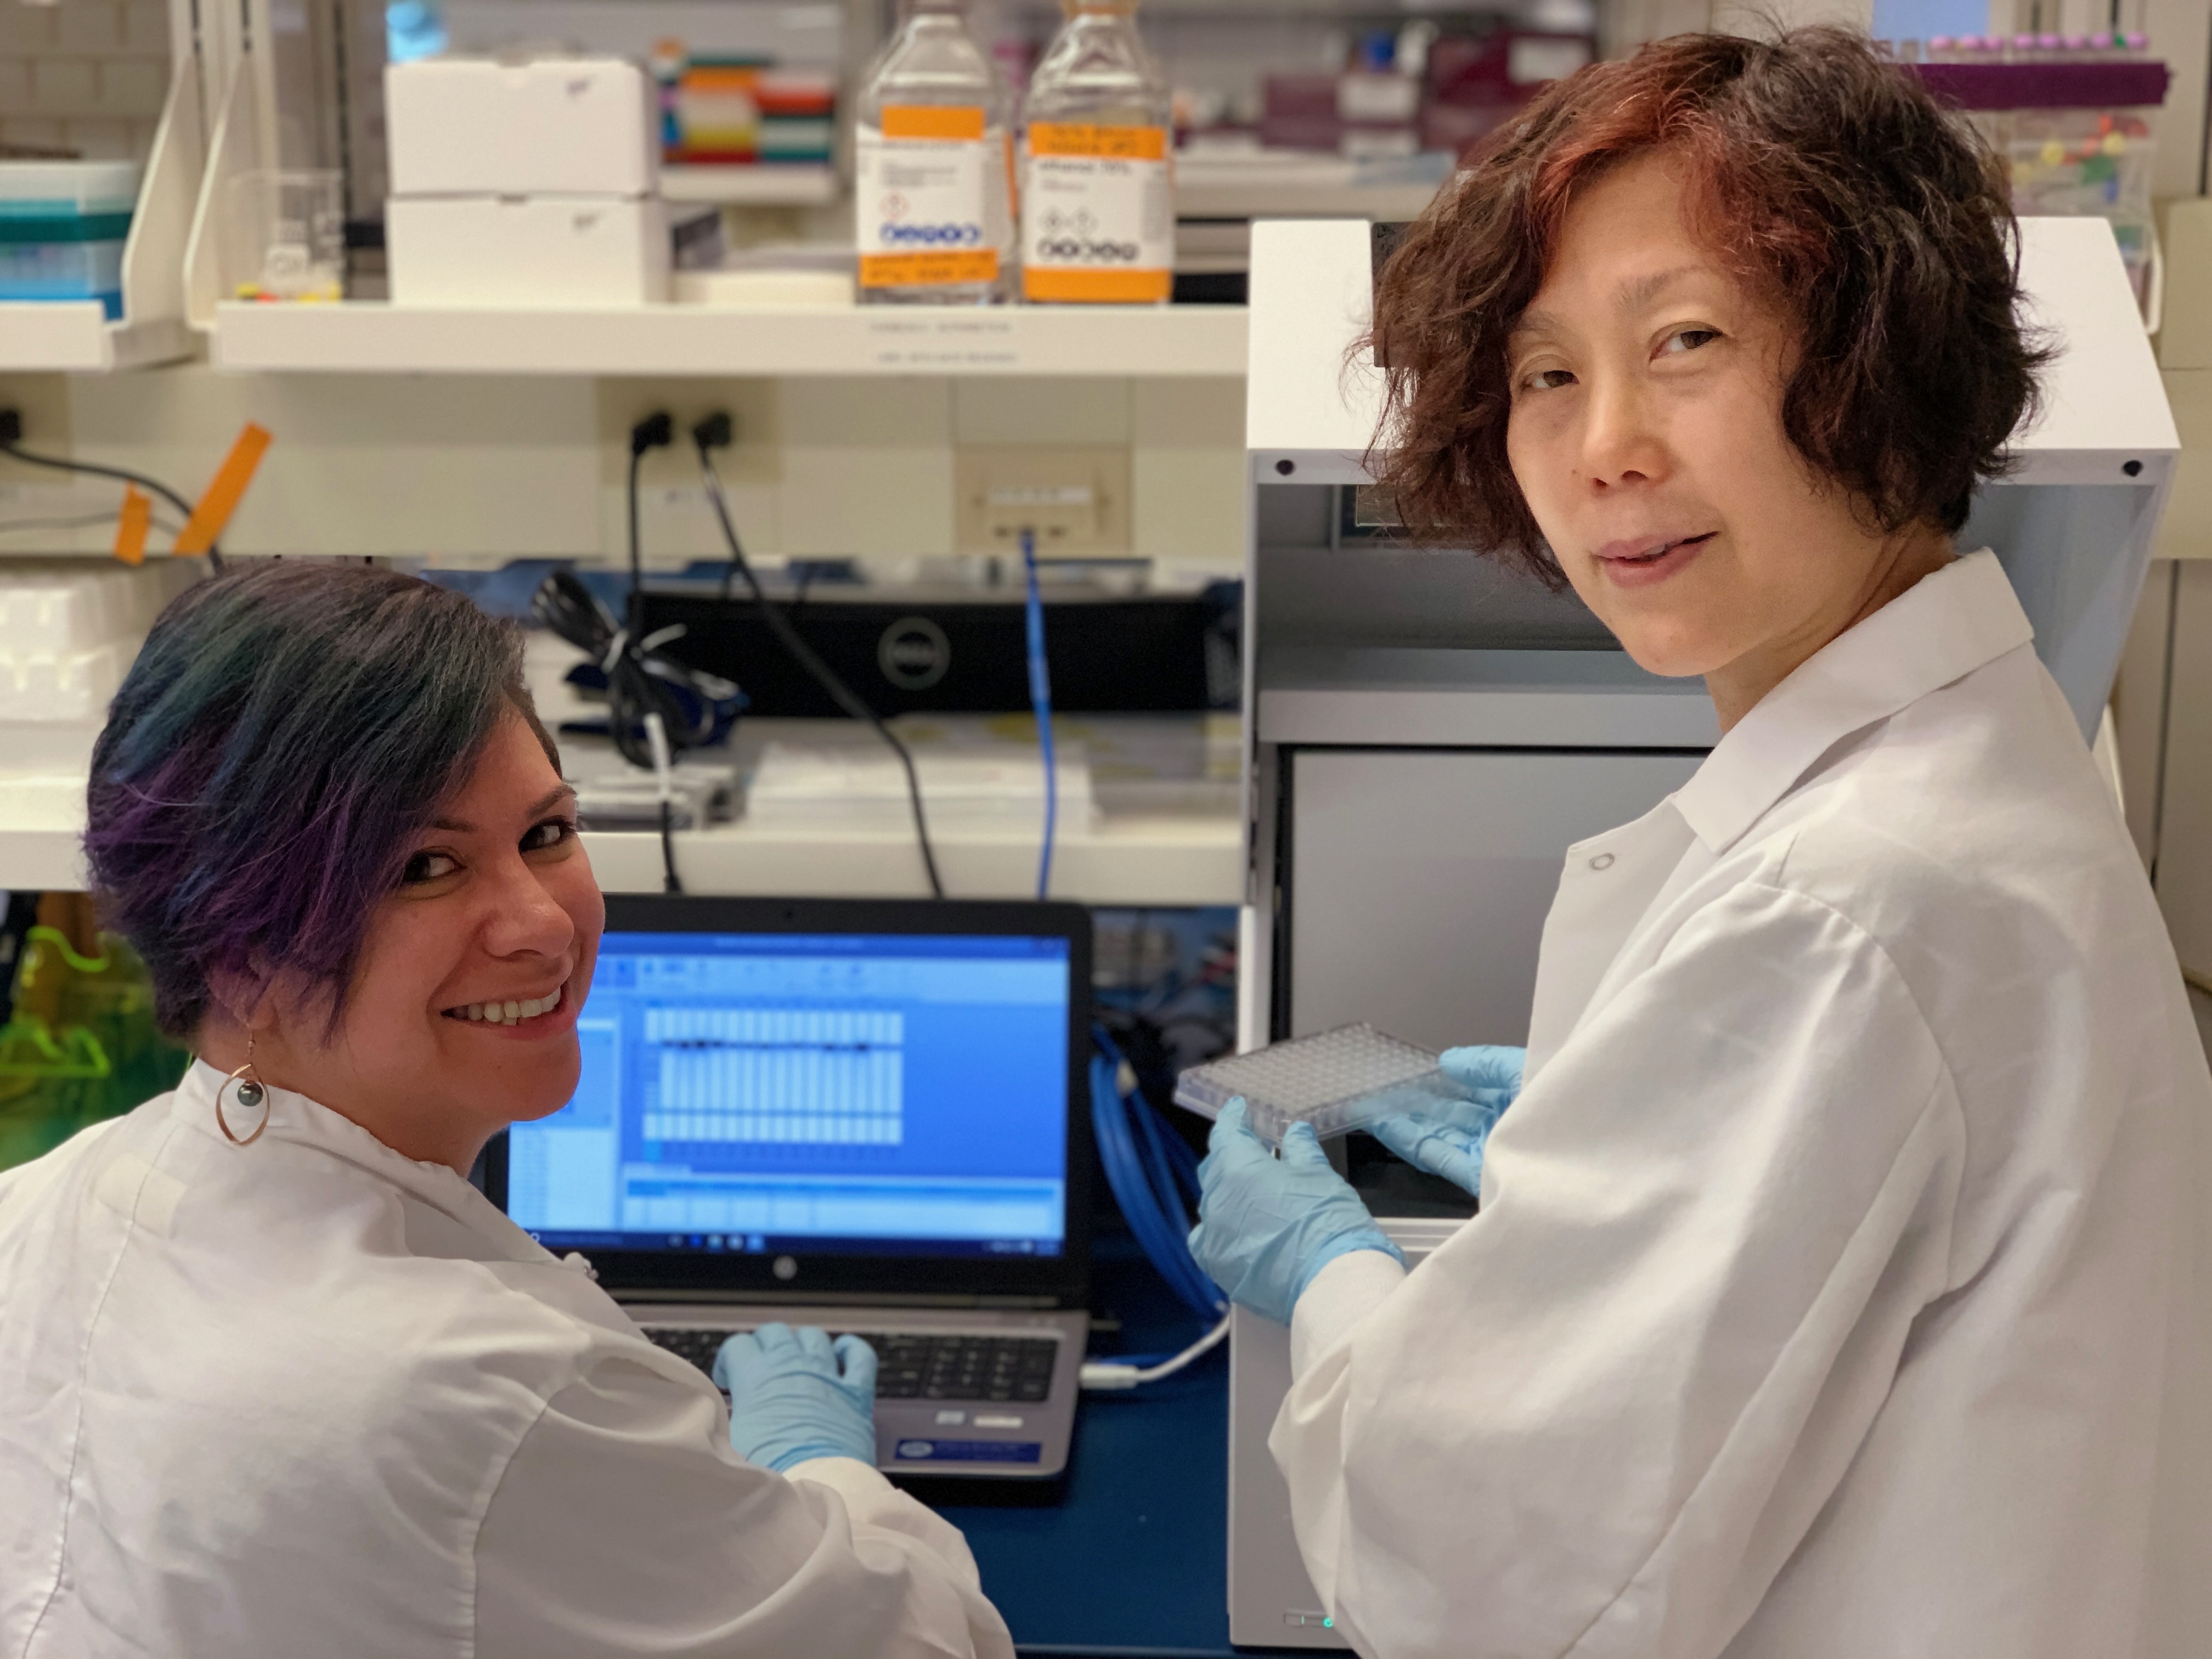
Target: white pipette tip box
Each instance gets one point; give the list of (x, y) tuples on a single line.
[(1337, 1081)]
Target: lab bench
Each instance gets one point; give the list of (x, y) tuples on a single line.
[(1167, 862), (1132, 1559), (1134, 856)]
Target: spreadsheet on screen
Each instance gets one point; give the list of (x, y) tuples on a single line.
[(884, 1093)]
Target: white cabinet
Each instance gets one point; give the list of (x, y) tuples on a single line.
[(1419, 880)]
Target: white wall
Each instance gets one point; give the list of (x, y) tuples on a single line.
[(478, 469)]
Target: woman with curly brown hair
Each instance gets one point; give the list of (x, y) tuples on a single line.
[(1836, 1287)]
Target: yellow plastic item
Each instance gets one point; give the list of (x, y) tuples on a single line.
[(80, 1044)]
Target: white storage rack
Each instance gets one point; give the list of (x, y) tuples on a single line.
[(75, 336), (68, 633)]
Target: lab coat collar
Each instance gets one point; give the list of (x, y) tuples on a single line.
[(1939, 630), (295, 1119)]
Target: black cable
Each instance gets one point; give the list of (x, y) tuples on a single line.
[(640, 681), (14, 450), (642, 686), (669, 883), (715, 429)]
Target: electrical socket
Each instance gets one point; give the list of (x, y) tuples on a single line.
[(1076, 500)]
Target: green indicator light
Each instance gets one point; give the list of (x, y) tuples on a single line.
[(1328, 1623)]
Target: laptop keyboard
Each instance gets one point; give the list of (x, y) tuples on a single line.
[(914, 1365)]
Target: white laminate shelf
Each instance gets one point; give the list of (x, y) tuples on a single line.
[(74, 337), (1162, 862), (765, 184), (365, 337), (1165, 862)]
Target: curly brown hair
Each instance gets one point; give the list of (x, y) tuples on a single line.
[(1826, 177)]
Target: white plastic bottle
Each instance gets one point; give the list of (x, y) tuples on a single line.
[(1098, 166), (933, 167)]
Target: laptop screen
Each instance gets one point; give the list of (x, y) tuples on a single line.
[(892, 1094)]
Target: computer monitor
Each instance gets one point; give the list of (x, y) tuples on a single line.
[(869, 1097)]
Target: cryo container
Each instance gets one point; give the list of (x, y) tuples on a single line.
[(1427, 733)]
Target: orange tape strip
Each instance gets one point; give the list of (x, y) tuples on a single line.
[(1056, 284), (932, 121), (212, 515), (1088, 138), (131, 525), (938, 269)]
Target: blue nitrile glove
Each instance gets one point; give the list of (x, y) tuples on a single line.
[(1267, 1225), (794, 1394), (1448, 1138)]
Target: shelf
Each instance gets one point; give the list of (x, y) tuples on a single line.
[(1162, 862), (41, 826), (74, 337), (766, 183), (362, 337)]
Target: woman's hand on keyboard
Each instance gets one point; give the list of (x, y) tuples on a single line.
[(796, 1395)]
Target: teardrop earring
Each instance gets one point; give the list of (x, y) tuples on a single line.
[(252, 1092)]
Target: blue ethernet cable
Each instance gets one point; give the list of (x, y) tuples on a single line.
[(1040, 702), (1150, 1183)]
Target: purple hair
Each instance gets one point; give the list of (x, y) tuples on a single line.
[(285, 734)]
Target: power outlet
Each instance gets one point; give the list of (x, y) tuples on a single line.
[(1077, 500)]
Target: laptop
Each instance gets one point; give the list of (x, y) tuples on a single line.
[(867, 1115)]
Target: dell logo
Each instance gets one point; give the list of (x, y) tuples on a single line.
[(786, 1267), (914, 653)]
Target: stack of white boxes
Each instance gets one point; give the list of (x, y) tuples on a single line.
[(68, 633), (529, 182)]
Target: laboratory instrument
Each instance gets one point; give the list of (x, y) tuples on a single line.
[(880, 1104), (1098, 196), (954, 650), (1332, 1082), (933, 166), (1429, 735)]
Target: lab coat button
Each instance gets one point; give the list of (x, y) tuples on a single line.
[(1602, 861)]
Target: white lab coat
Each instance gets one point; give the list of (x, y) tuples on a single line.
[(1837, 1289), (310, 1397)]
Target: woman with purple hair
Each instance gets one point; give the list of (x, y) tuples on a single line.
[(275, 1379)]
